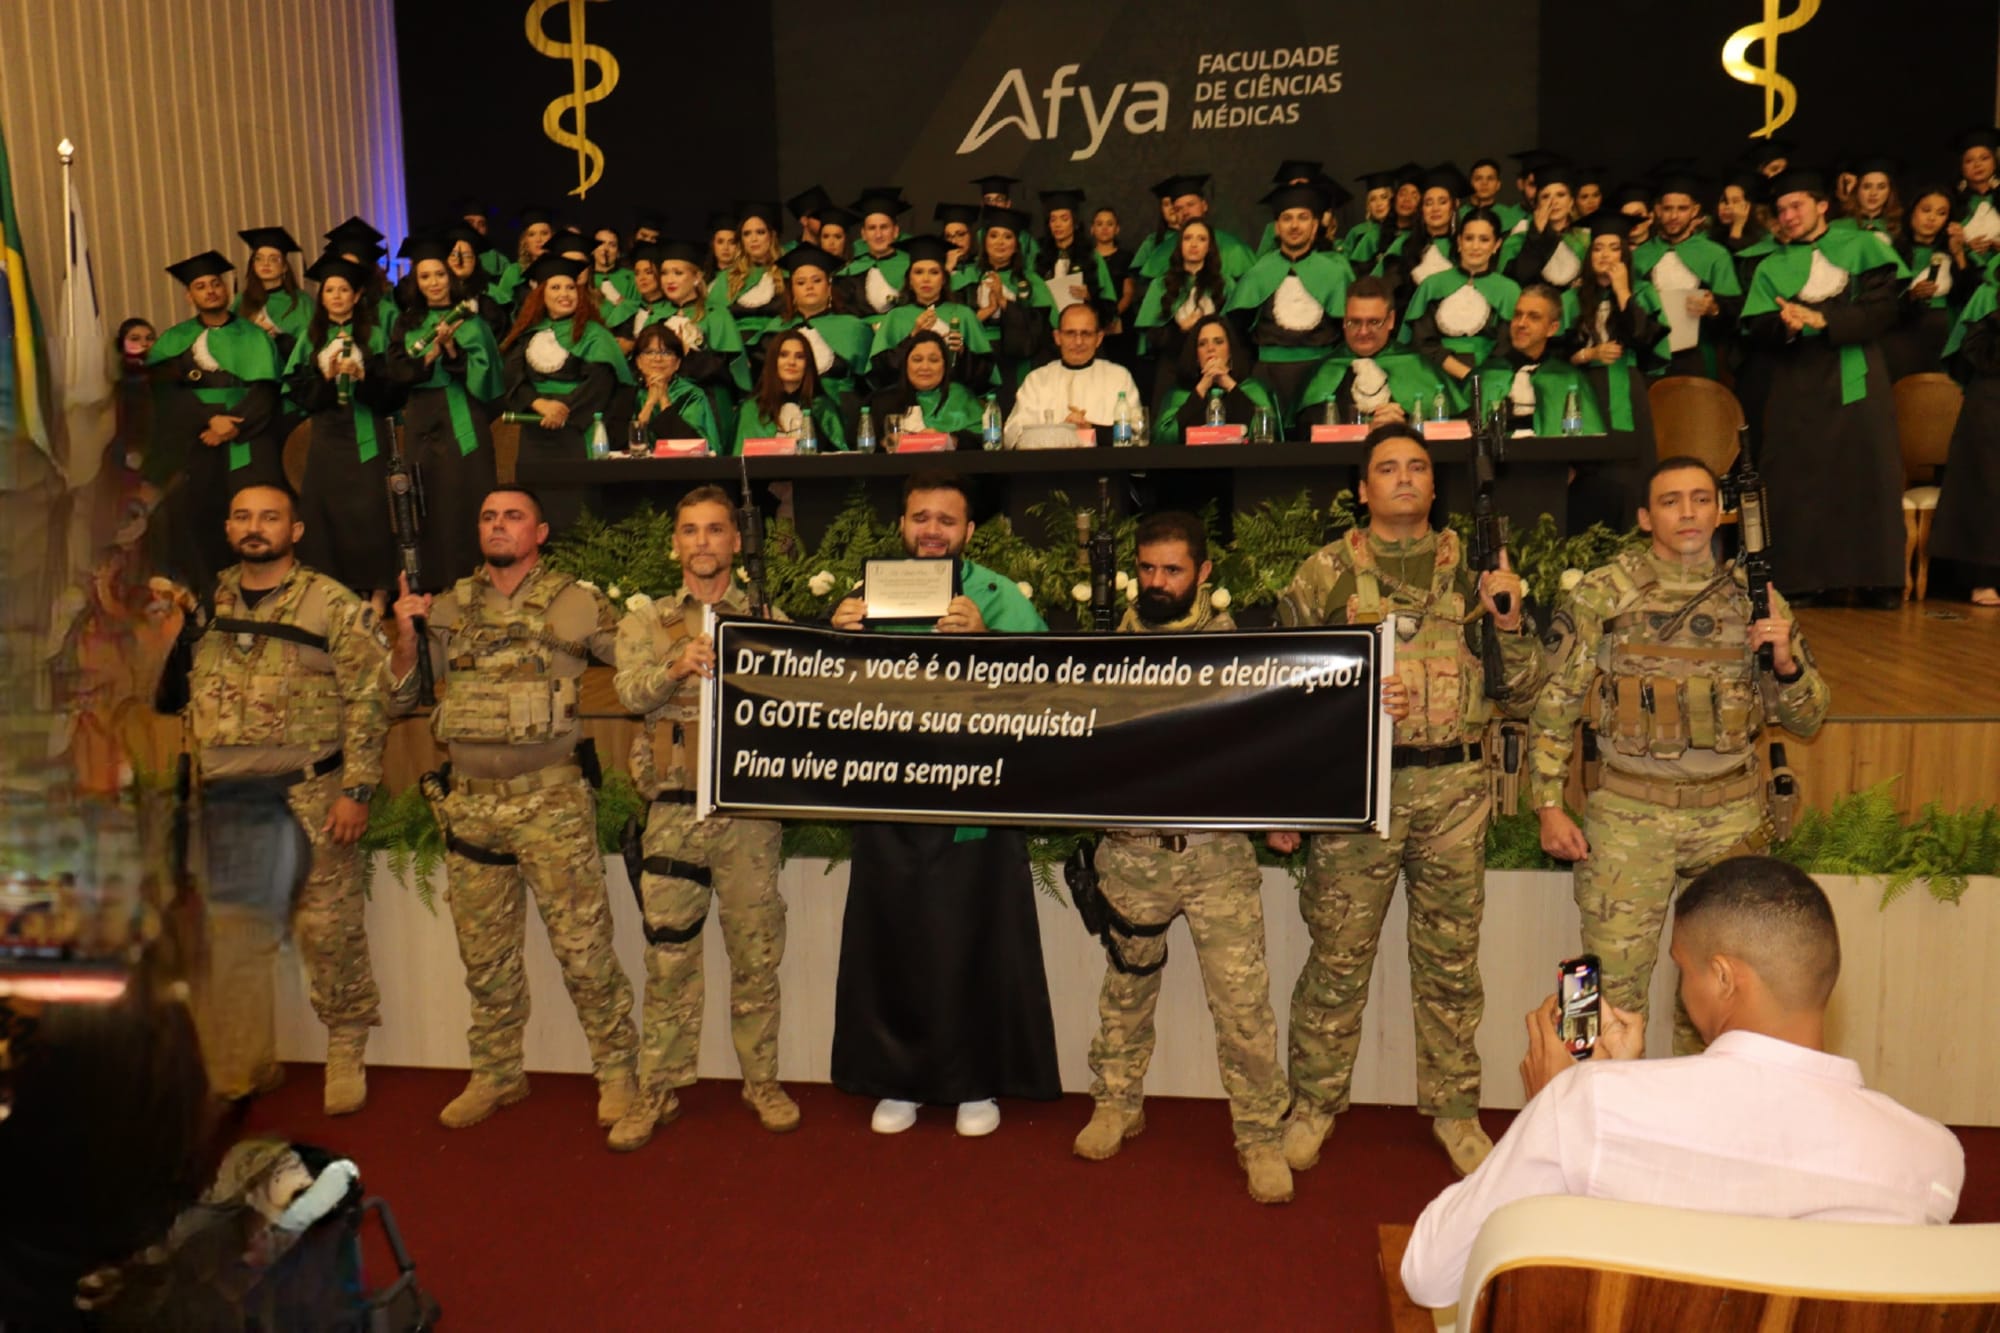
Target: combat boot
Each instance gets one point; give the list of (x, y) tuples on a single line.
[(1463, 1140), (1107, 1131), (776, 1111), (481, 1098), (346, 1077), (1270, 1178), (648, 1111), (615, 1096), (1305, 1131)]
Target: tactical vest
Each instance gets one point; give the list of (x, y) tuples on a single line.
[(1448, 703), (260, 690), (503, 688), (1676, 675), (669, 732)]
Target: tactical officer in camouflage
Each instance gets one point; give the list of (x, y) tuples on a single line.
[(1440, 804), (1212, 879), (663, 655), (1661, 647), (517, 810), (283, 697)]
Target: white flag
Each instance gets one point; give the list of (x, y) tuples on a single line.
[(85, 397)]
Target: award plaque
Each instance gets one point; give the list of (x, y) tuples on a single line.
[(908, 592)]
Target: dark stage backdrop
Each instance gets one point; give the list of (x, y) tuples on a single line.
[(687, 121), (1110, 96), (1869, 79)]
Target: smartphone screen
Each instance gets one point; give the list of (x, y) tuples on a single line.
[(1578, 992)]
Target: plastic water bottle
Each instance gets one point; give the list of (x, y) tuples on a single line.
[(808, 434), (1217, 415), (599, 445), (1572, 422), (1330, 414), (989, 423), (1438, 406), (1121, 421), (864, 434)]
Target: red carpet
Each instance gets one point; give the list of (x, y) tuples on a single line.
[(528, 1222)]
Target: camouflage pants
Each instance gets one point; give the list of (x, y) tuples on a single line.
[(1216, 886), (237, 994), (742, 857), (1437, 841), (554, 833), (1641, 855)]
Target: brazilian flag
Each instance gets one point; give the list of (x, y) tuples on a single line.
[(21, 368)]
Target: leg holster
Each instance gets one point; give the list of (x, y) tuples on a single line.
[(1115, 925), (672, 869)]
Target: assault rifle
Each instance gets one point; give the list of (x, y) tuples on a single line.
[(1489, 535), (751, 525), (1745, 489), (1098, 553), (406, 500)]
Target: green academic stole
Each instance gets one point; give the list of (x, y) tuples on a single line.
[(367, 442), (457, 406), (1783, 273)]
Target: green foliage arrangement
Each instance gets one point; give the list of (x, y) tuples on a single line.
[(1863, 834)]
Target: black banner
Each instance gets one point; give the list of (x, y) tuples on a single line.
[(1248, 730)]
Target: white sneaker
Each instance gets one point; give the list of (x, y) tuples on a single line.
[(892, 1116), (978, 1119)]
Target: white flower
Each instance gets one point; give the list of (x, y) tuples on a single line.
[(1081, 592), (1570, 578), (586, 583), (638, 601), (1027, 589), (820, 583), (615, 593), (741, 577), (545, 354), (1124, 579), (1131, 591), (1219, 599)]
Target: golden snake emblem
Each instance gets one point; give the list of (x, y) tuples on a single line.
[(589, 157)]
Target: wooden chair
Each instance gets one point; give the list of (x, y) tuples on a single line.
[(1697, 416), (506, 448), (296, 445), (1927, 408), (1595, 1266)]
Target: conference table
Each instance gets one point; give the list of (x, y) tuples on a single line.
[(1531, 480)]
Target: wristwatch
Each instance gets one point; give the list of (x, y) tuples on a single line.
[(363, 793)]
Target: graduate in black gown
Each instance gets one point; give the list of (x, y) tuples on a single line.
[(339, 378), (941, 997), (1616, 333), (1963, 528)]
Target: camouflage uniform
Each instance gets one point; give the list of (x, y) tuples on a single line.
[(1212, 879), (269, 709), (1440, 807), (520, 814), (733, 860), (1660, 652)]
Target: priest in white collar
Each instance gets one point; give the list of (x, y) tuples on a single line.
[(1077, 388)]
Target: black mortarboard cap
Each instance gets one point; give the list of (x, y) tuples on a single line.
[(1308, 196), (1679, 182), (1632, 192), (1054, 199), (1609, 222), (1164, 189), (1378, 180), (996, 184), (419, 246), (1193, 182), (468, 206), (1295, 169), (1013, 219), (1747, 179), (472, 236), (836, 216), (966, 213), (809, 256), (1556, 172), (207, 264), (649, 252), (1590, 175), (687, 252), (1446, 176), (887, 199), (1977, 136), (1794, 179), (353, 233), (570, 243), (808, 202), (1892, 167), (277, 238), (1410, 173), (1336, 194), (721, 222), (649, 219), (758, 208), (531, 216), (1766, 151), (921, 249), (334, 264), (555, 264)]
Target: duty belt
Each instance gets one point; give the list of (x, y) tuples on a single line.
[(485, 856), (1684, 795), (292, 779), (1435, 756), (1173, 842), (553, 776)]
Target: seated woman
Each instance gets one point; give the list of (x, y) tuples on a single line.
[(1066, 261), (1873, 205), (1215, 368), (924, 398), (955, 224), (1191, 289), (1942, 280), (563, 365), (925, 307), (786, 388), (1363, 243), (1425, 249), (837, 229), (667, 404), (712, 353), (724, 246), (753, 290), (1459, 313), (1547, 246), (1013, 306), (1613, 323), (809, 303)]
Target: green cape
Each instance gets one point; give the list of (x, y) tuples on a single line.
[(1784, 271)]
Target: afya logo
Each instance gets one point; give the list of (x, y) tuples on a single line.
[(1144, 104)]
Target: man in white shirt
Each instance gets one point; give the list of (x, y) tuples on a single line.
[(1764, 1123), (1078, 388)]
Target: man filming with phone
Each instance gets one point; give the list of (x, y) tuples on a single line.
[(1764, 1123)]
